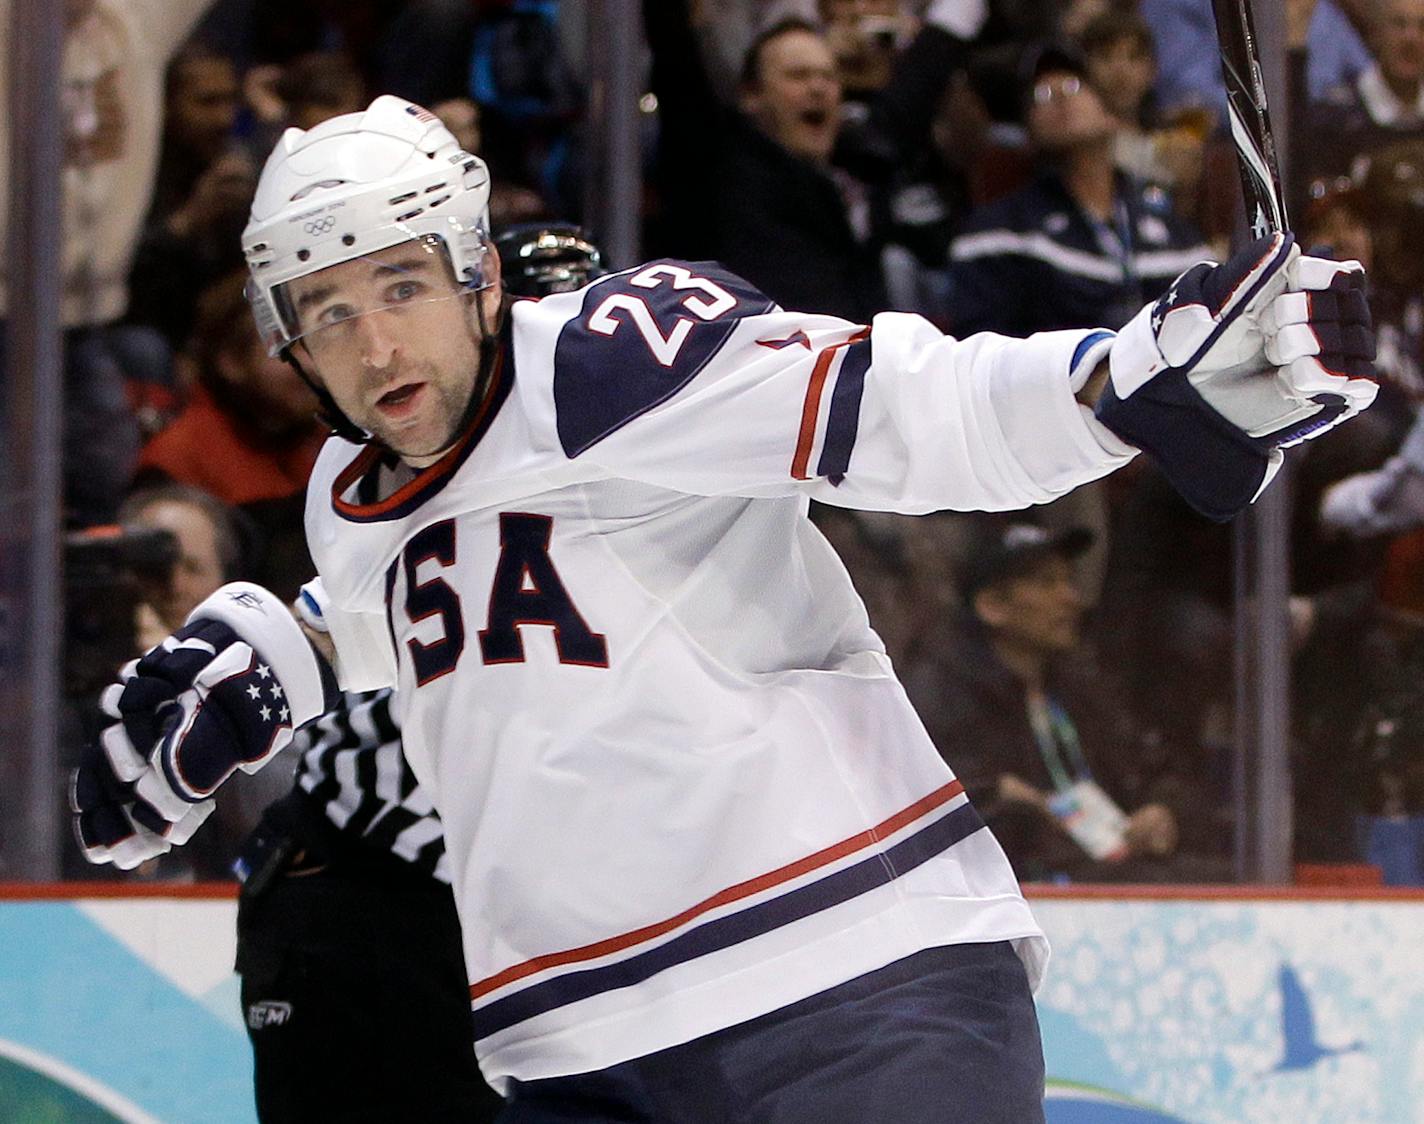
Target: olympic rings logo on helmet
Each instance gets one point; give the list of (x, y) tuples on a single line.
[(321, 225)]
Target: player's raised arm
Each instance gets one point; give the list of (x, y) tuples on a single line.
[(683, 376)]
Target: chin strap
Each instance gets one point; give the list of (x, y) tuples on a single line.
[(327, 411)]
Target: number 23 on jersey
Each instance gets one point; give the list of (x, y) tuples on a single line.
[(712, 303)]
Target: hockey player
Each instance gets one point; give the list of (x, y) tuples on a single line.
[(708, 864)]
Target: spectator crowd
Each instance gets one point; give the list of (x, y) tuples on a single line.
[(994, 165)]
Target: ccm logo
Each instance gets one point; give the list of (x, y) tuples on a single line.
[(269, 1012)]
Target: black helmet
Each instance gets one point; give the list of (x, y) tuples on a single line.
[(538, 259)]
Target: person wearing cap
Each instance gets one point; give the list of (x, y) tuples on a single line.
[(1052, 769), (1082, 243)]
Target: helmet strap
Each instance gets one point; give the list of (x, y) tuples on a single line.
[(327, 411), (489, 352)]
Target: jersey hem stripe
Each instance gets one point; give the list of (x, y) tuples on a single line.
[(871, 872), (738, 892)]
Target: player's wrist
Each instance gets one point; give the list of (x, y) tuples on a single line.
[(264, 622), (1089, 393)]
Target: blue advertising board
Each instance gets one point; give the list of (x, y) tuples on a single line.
[(1210, 1010)]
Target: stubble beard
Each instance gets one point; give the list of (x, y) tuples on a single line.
[(448, 411)]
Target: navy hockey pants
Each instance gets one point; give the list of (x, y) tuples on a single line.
[(947, 1036)]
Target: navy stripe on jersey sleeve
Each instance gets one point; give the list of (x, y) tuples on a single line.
[(633, 346), (844, 420)]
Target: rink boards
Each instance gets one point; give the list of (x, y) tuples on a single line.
[(1205, 1005)]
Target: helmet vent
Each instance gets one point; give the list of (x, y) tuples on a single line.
[(409, 195), (434, 187), (410, 215), (318, 186), (436, 202)]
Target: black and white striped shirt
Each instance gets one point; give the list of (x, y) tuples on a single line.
[(353, 768)]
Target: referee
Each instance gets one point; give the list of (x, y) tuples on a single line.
[(354, 989), (353, 980)]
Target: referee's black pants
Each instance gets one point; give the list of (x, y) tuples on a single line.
[(355, 998)]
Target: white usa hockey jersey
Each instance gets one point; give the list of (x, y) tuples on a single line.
[(681, 786)]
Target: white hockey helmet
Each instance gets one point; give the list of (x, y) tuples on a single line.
[(355, 184)]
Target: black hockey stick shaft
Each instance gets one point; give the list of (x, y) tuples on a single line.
[(1250, 117)]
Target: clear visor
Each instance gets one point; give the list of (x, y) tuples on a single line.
[(330, 310)]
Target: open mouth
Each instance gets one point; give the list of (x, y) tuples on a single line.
[(399, 399), (815, 118)]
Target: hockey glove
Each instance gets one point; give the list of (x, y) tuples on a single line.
[(1235, 363), (223, 693)]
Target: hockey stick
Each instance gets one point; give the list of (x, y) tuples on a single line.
[(1250, 118)]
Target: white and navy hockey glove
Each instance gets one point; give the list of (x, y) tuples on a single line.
[(1237, 362), (224, 692)]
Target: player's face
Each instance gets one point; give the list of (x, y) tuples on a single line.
[(797, 100), (395, 341)]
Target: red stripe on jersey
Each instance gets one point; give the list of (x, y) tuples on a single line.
[(795, 337), (731, 894), (811, 408)]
